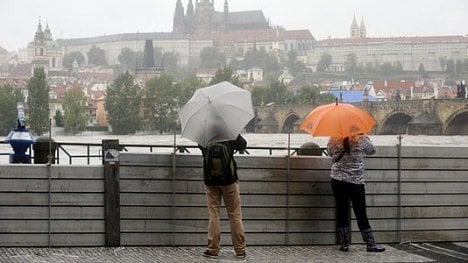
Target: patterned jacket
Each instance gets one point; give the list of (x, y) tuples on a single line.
[(350, 167)]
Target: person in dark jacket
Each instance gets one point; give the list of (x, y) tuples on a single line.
[(229, 191), (348, 184)]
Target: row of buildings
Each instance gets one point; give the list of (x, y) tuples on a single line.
[(234, 33)]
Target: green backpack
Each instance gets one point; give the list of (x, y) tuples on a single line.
[(219, 164)]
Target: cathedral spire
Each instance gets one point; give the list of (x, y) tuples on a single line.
[(362, 29), (179, 23), (226, 7), (354, 32)]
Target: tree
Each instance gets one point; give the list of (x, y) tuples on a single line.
[(295, 66), (324, 62), (422, 71), (211, 57), (129, 59), (351, 64), (450, 67), (459, 66), (225, 74), (9, 97), (307, 95), (38, 101), (259, 95), (74, 107), (187, 88), (161, 101), (122, 103), (71, 57), (97, 56), (58, 118)]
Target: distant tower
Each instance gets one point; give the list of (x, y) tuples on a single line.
[(148, 69), (204, 13), (362, 29), (47, 34), (179, 20), (190, 19), (226, 14), (354, 29), (39, 58)]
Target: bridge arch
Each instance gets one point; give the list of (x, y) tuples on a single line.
[(394, 123), (290, 122), (457, 123)]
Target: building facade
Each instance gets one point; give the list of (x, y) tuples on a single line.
[(202, 18), (410, 52)]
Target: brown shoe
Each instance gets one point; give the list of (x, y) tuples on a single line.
[(208, 254)]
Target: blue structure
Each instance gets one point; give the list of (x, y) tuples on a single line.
[(350, 96), (20, 139)]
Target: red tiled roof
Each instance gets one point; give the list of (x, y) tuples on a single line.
[(392, 85), (299, 34)]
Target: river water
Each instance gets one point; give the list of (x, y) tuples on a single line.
[(254, 140)]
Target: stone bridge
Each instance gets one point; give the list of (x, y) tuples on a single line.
[(423, 117)]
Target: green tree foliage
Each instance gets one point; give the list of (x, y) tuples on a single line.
[(459, 66), (38, 101), (128, 59), (187, 88), (71, 57), (259, 96), (122, 103), (74, 107), (225, 74), (9, 97), (324, 62), (212, 58), (350, 65), (97, 56), (58, 118), (161, 103), (295, 66), (259, 58)]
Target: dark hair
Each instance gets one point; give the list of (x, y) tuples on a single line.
[(346, 144)]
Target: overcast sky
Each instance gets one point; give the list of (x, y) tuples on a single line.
[(324, 18)]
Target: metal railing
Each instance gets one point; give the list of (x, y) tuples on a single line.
[(91, 153)]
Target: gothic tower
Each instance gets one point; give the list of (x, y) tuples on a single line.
[(226, 14), (204, 13), (362, 29), (179, 21), (190, 19), (354, 33)]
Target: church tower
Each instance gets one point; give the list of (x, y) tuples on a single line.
[(190, 19), (226, 14), (354, 32), (178, 25), (39, 56), (204, 13), (362, 29)]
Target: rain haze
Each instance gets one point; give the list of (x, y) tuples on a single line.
[(324, 18)]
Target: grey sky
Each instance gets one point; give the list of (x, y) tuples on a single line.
[(324, 18)]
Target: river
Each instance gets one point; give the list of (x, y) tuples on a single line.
[(254, 140)]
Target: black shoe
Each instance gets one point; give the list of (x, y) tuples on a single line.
[(241, 256), (375, 248), (208, 254)]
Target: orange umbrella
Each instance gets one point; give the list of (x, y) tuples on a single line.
[(337, 120)]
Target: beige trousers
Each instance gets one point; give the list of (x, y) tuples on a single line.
[(231, 196)]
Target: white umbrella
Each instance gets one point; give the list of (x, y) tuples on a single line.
[(216, 113)]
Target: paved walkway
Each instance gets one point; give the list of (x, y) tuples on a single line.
[(256, 254)]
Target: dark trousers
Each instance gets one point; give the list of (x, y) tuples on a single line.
[(344, 193)]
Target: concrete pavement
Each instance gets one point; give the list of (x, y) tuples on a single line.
[(280, 254)]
